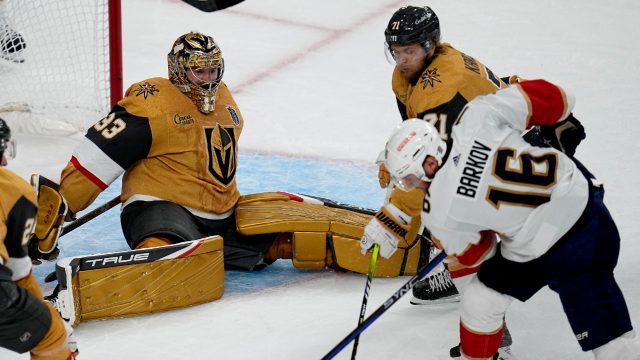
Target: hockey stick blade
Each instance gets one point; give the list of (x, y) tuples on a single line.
[(386, 305)]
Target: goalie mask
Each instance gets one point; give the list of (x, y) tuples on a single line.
[(196, 67), (412, 25), (7, 145), (408, 147)]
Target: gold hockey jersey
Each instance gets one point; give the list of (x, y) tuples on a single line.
[(448, 83), (165, 147), (18, 205)]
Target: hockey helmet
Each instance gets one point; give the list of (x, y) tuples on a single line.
[(409, 145), (196, 56), (413, 25), (7, 145)]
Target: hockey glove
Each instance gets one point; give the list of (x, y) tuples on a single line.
[(388, 226), (384, 178), (565, 135), (52, 210)]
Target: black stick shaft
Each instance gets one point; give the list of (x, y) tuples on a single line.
[(90, 215), (384, 307), (365, 298)]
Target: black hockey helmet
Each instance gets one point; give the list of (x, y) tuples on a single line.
[(413, 25), (5, 138)]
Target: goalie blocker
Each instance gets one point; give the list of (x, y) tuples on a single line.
[(140, 281)]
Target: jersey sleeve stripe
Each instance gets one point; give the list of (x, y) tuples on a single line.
[(97, 166), (476, 253), (94, 179), (547, 103), (20, 267)]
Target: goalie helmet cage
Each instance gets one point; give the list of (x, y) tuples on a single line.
[(69, 73)]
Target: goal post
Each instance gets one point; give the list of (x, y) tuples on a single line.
[(60, 63)]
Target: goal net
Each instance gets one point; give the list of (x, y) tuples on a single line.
[(60, 63)]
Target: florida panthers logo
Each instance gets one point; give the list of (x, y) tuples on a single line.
[(221, 148)]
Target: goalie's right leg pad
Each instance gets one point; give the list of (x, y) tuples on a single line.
[(140, 281)]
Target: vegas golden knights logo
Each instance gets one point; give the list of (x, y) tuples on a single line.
[(221, 147)]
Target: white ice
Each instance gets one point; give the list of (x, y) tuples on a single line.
[(311, 79)]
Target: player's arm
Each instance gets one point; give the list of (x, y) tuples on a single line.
[(21, 307), (107, 150), (550, 111), (465, 250), (402, 108), (110, 146)]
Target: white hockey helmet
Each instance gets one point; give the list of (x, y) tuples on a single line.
[(409, 145)]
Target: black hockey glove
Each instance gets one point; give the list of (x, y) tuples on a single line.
[(565, 135), (37, 256)]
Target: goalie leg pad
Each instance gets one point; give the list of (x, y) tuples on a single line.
[(309, 250), (311, 224), (140, 281)]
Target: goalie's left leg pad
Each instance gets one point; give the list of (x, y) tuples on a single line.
[(140, 281)]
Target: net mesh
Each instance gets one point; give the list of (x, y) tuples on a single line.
[(54, 64)]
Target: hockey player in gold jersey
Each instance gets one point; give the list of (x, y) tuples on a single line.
[(27, 323), (432, 81)]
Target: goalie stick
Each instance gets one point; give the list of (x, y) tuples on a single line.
[(81, 221), (326, 202), (386, 305), (90, 215)]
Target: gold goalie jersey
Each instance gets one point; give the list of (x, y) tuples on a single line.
[(448, 83), (17, 218), (166, 148)]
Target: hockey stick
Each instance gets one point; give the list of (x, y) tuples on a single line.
[(365, 298), (367, 286), (386, 305), (90, 215), (81, 221), (334, 204)]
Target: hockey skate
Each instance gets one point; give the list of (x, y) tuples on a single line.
[(435, 289), (504, 353)]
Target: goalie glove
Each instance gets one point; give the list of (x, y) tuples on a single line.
[(384, 178), (385, 229), (52, 210), (565, 135)]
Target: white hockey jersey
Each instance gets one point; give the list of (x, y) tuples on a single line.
[(494, 181)]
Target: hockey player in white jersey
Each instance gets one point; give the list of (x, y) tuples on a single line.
[(532, 216)]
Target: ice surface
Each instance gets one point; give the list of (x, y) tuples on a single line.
[(311, 80)]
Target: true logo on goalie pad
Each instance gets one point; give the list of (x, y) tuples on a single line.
[(115, 260)]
